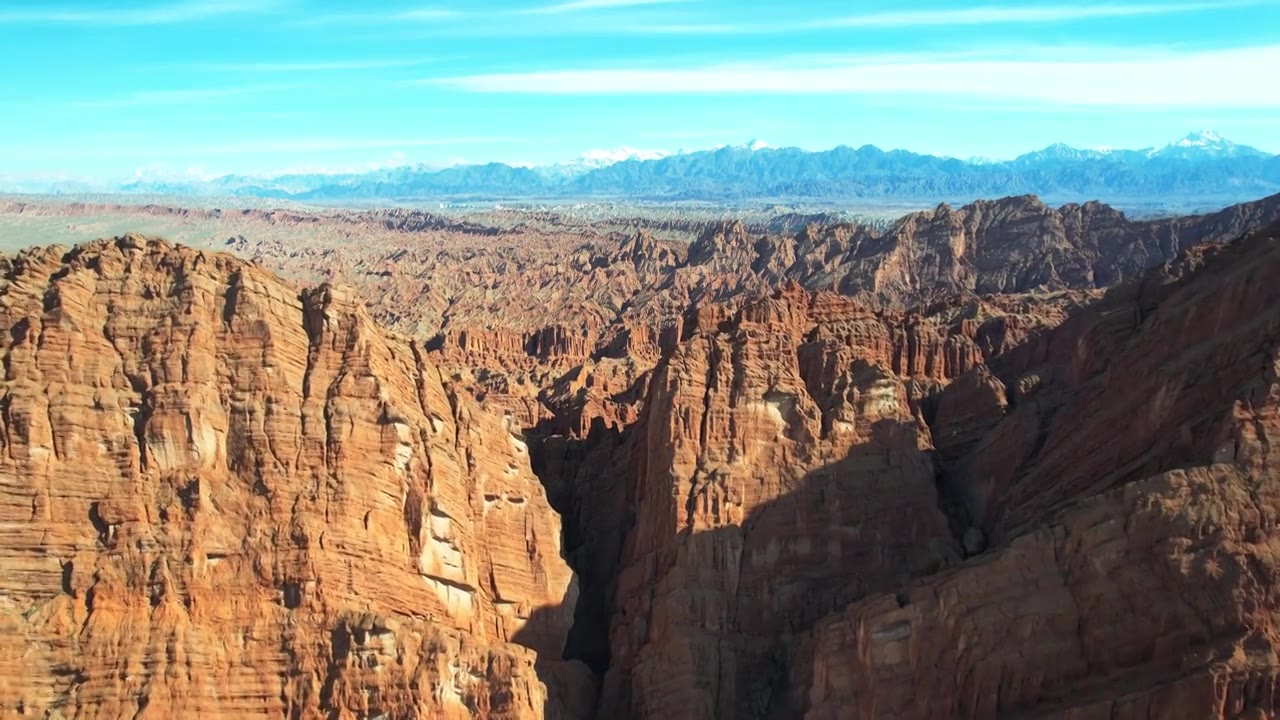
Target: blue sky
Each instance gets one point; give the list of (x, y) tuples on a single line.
[(112, 88)]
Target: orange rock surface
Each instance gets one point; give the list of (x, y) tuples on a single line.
[(833, 518), (514, 309), (985, 464), (220, 497)]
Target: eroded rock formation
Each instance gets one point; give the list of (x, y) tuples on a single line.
[(513, 312), (1079, 521), (219, 496), (971, 482)]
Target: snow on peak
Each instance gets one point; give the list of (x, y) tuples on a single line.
[(1063, 151), (164, 172), (1205, 143), (596, 159), (1203, 138), (751, 145), (622, 154)]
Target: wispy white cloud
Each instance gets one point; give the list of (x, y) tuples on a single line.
[(394, 160), (383, 17), (171, 172), (178, 97), (502, 18), (580, 5), (1207, 78), (316, 66), (427, 14), (572, 17), (309, 145), (982, 15), (1047, 14), (168, 14), (258, 149), (694, 134)]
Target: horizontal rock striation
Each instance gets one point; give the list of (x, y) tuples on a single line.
[(835, 512), (221, 497), (997, 461)]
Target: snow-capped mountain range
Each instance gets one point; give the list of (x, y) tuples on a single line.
[(1202, 164), (596, 159), (1206, 143)]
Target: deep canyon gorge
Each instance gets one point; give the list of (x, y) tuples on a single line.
[(1002, 460)]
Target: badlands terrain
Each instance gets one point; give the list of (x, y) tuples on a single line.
[(999, 460)]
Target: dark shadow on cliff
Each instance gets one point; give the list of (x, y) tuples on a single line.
[(1139, 381), (867, 523), (586, 480), (870, 523)]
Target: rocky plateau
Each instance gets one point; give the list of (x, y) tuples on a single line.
[(998, 461)]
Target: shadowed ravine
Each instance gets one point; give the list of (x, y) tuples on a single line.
[(751, 619), (258, 501)]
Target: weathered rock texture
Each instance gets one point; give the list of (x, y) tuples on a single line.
[(513, 312), (841, 514), (1133, 491), (968, 483), (776, 481), (221, 498), (782, 469), (521, 305)]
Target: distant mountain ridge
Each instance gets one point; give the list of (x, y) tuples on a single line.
[(1202, 164)]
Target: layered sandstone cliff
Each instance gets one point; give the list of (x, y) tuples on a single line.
[(835, 513), (1132, 493), (781, 468), (220, 497), (515, 311)]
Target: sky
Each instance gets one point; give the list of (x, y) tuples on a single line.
[(140, 88)]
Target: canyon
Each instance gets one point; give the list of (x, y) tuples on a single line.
[(1002, 460)]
